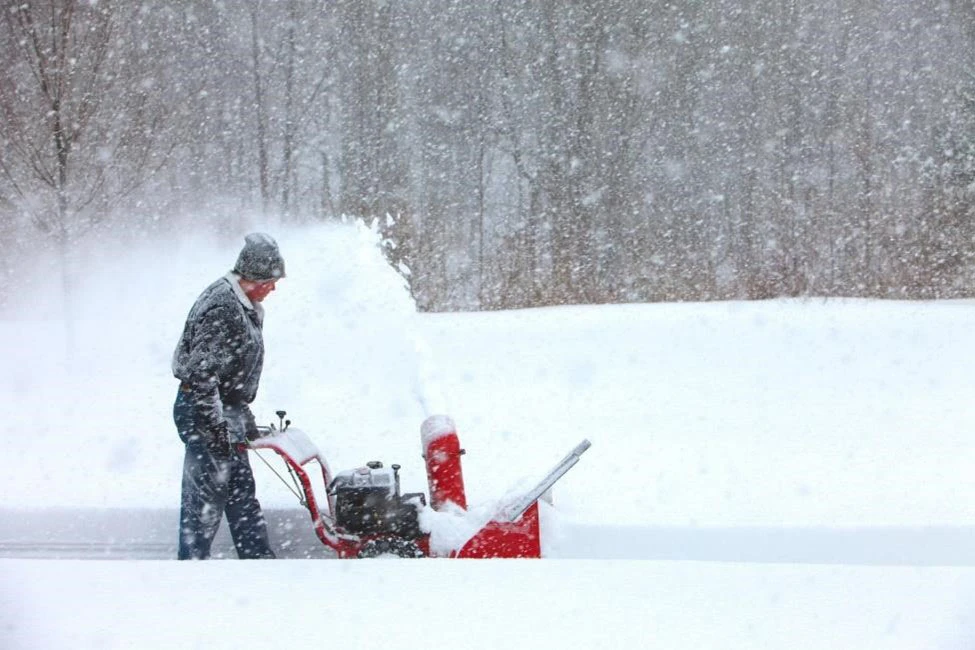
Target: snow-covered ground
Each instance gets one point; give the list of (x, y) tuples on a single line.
[(830, 417)]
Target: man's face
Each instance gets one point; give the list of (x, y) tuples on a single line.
[(260, 290)]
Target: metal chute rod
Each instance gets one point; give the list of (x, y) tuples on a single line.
[(514, 510)]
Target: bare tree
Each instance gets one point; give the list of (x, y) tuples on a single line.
[(260, 109), (290, 76), (79, 121)]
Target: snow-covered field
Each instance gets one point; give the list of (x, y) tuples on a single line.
[(720, 424)]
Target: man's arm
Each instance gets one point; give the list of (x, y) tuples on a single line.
[(211, 356)]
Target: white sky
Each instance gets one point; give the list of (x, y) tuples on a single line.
[(785, 415)]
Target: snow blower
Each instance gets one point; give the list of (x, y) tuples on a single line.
[(364, 515)]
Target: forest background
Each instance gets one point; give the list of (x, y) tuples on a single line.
[(514, 152)]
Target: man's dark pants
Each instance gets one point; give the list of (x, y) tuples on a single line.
[(212, 488)]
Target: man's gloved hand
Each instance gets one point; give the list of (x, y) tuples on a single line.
[(218, 442), (240, 421)]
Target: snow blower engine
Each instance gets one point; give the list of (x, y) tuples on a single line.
[(368, 503)]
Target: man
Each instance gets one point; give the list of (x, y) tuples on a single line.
[(218, 361)]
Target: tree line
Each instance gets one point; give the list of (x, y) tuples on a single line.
[(515, 152)]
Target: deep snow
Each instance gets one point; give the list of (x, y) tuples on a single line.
[(779, 416)]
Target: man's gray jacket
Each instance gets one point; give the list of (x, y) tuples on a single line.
[(220, 356)]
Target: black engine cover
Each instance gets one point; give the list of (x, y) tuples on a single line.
[(367, 502), (372, 511)]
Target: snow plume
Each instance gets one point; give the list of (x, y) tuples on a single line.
[(362, 373)]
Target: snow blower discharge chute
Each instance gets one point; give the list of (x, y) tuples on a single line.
[(365, 515)]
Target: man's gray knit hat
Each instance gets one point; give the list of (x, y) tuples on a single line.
[(259, 259)]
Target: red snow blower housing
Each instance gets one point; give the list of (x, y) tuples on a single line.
[(365, 515)]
